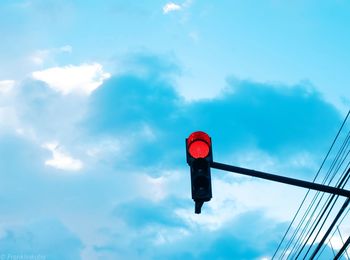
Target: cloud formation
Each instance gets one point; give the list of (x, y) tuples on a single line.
[(61, 160), (6, 86), (277, 119), (40, 57), (171, 7), (83, 78), (93, 125), (31, 242), (130, 134)]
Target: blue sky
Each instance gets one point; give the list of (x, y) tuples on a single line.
[(96, 100)]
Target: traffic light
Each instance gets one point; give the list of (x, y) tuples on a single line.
[(199, 157)]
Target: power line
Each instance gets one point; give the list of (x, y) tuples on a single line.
[(341, 238), (329, 240), (302, 235), (341, 251), (346, 203), (316, 196), (334, 221), (344, 178), (340, 183), (303, 201)]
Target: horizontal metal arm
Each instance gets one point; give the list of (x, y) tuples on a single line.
[(282, 179)]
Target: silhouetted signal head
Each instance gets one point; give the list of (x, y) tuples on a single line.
[(201, 180), (199, 157)]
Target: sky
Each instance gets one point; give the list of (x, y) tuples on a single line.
[(97, 98)]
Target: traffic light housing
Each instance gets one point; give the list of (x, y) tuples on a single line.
[(199, 157)]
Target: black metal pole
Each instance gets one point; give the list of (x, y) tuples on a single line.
[(282, 179)]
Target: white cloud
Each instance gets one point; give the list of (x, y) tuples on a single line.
[(187, 3), (261, 160), (8, 112), (237, 194), (8, 118), (60, 160), (84, 78), (6, 86), (247, 192), (103, 148), (158, 188), (169, 235), (336, 242), (232, 199), (66, 48), (170, 7), (39, 57)]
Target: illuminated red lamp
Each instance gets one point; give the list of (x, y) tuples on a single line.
[(199, 157), (198, 144)]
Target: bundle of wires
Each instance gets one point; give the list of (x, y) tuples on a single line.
[(319, 216)]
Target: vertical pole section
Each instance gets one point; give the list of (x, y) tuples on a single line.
[(282, 179)]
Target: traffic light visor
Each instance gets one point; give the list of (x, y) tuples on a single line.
[(198, 144)]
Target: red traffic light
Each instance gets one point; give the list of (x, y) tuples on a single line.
[(198, 144)]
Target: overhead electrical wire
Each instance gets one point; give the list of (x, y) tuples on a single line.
[(312, 203), (341, 251), (318, 172), (302, 235), (320, 244), (340, 184), (346, 203), (303, 201), (329, 239), (317, 220), (342, 240)]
